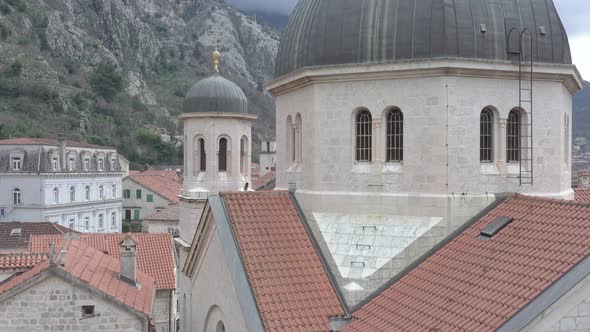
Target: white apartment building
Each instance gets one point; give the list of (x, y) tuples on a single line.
[(76, 185)]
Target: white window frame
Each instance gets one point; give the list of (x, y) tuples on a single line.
[(71, 223), (114, 191), (113, 219), (101, 192), (87, 223), (87, 193), (101, 221), (17, 163), (113, 162), (17, 196), (100, 164), (72, 194), (72, 163), (55, 163), (86, 163), (55, 195)]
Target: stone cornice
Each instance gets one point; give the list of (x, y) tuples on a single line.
[(239, 116), (567, 74)]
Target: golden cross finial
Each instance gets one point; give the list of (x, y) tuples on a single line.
[(216, 54)]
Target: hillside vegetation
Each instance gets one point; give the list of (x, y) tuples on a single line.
[(99, 70)]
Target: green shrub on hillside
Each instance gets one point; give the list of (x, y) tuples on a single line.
[(106, 81)]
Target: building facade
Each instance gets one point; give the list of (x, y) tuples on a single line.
[(148, 192), (76, 185)]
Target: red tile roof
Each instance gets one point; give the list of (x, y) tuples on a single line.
[(292, 289), (477, 285), (99, 271), (582, 195), (20, 260), (8, 241), (49, 141), (164, 183), (172, 213), (260, 183), (155, 252)]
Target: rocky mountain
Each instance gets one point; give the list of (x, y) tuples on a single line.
[(101, 70), (581, 116)]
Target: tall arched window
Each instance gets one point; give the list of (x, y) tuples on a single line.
[(223, 154), (486, 136), (513, 136), (16, 196), (55, 196), (87, 192), (364, 136), (290, 140), (395, 136), (101, 192), (297, 146), (202, 155), (114, 191), (72, 194), (244, 155)]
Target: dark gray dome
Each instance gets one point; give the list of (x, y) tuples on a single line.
[(215, 94), (335, 32)]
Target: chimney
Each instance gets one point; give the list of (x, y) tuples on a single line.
[(61, 140), (127, 257)]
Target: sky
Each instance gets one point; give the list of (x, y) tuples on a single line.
[(575, 14)]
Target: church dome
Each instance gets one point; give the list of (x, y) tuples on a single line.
[(337, 32), (216, 94)]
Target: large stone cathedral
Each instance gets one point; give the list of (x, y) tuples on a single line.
[(419, 143)]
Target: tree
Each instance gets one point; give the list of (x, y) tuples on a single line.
[(106, 81), (15, 69)]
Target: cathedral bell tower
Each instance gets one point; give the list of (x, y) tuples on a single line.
[(217, 144)]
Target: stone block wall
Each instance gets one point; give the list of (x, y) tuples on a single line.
[(56, 305)]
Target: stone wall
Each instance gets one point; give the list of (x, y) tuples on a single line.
[(56, 305), (163, 312)]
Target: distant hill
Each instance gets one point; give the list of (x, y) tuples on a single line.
[(581, 117)]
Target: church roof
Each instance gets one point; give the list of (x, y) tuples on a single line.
[(477, 284), (500, 270), (215, 94), (291, 286), (337, 32)]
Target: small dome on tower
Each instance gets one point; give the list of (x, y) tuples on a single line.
[(216, 94)]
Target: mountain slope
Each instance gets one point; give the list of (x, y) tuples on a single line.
[(99, 70), (581, 116)]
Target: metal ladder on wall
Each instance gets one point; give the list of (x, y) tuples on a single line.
[(525, 104)]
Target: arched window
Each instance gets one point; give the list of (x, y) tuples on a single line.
[(16, 196), (290, 140), (202, 156), (114, 219), (364, 136), (72, 194), (114, 191), (244, 156), (87, 193), (223, 154), (220, 327), (486, 136), (395, 136), (101, 192), (298, 133), (513, 136), (55, 196)]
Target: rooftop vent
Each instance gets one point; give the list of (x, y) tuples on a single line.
[(494, 227), (16, 231)]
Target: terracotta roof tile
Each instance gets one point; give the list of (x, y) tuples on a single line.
[(20, 260), (49, 141), (583, 195), (476, 285), (92, 266), (164, 183), (292, 289), (262, 182), (10, 240), (155, 252), (172, 213)]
